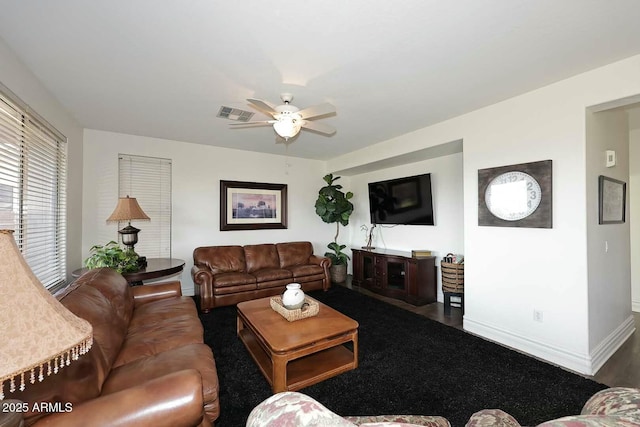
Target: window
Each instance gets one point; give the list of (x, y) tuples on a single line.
[(33, 171), (148, 179)]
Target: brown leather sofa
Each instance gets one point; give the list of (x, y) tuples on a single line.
[(227, 275), (148, 365)]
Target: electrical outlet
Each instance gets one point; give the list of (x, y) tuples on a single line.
[(537, 315)]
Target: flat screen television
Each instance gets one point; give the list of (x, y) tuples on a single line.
[(402, 201)]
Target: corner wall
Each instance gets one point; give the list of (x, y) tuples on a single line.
[(608, 245), (510, 272)]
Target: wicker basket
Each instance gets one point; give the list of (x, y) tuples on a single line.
[(452, 277), (309, 310)]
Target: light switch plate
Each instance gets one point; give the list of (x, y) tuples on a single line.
[(611, 158)]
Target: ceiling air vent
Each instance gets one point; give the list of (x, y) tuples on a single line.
[(234, 114)]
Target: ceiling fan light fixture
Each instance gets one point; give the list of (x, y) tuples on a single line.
[(289, 119), (287, 127)]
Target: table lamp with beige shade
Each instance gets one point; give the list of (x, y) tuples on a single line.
[(128, 209)]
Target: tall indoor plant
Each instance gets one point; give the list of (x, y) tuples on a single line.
[(333, 206)]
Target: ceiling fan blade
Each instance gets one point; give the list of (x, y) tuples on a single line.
[(319, 127), (317, 110), (260, 123), (263, 105)]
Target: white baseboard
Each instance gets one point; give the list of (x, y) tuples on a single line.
[(635, 306), (603, 351), (581, 363), (573, 361)]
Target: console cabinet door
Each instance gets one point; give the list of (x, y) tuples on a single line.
[(394, 277), (365, 269), (356, 257), (371, 270)]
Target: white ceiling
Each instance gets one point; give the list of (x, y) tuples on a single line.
[(164, 68)]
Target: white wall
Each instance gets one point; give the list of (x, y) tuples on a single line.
[(510, 272), (608, 245), (447, 233), (634, 201), (196, 174), (21, 81)]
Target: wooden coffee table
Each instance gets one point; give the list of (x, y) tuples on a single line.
[(294, 355)]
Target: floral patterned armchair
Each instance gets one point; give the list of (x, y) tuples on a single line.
[(613, 407)]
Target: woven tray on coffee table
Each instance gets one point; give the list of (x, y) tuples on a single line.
[(309, 308)]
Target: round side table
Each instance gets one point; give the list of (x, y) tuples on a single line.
[(156, 268)]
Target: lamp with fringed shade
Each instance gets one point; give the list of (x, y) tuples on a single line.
[(39, 335)]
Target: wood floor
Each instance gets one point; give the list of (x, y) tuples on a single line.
[(621, 370)]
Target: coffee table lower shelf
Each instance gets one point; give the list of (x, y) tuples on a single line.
[(305, 370)]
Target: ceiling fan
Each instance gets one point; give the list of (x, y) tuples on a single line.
[(289, 119)]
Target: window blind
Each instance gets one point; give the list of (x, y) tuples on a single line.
[(148, 179), (33, 172)]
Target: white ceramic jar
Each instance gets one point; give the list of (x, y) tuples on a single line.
[(293, 297)]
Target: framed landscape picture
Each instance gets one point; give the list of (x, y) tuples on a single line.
[(252, 205), (612, 200)]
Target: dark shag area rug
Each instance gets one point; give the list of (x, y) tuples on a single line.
[(408, 365)]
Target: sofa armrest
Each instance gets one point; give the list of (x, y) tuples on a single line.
[(148, 293), (322, 261), (172, 400), (492, 418), (203, 280), (619, 401), (293, 409), (616, 406), (325, 263)]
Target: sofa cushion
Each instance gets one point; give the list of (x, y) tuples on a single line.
[(146, 339), (224, 280), (281, 284), (193, 356), (162, 310), (115, 288), (220, 259), (294, 253), (260, 257), (270, 274), (306, 270), (88, 302)]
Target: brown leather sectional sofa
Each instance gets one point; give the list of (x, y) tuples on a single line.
[(227, 275), (148, 364)]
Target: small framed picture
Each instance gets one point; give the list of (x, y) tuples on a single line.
[(252, 205), (612, 200)]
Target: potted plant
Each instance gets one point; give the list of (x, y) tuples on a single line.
[(333, 206), (113, 256)]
